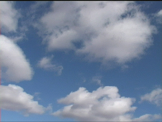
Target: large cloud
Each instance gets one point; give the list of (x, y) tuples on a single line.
[(46, 64), (101, 105), (106, 31), (13, 97), (9, 16), (15, 66), (154, 97)]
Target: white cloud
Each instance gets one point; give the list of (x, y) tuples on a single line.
[(103, 104), (160, 13), (37, 5), (159, 16), (46, 64), (49, 108), (9, 21), (148, 117), (35, 8), (17, 38), (100, 105), (15, 66), (154, 97), (97, 79), (9, 16), (13, 97), (107, 30)]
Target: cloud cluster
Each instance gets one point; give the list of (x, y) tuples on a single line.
[(13, 97), (103, 104), (9, 16), (154, 97), (106, 30), (15, 66), (46, 64)]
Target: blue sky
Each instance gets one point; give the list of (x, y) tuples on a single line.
[(80, 61)]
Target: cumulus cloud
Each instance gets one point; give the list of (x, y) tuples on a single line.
[(154, 97), (15, 66), (102, 104), (106, 30), (10, 24), (13, 97), (46, 64), (9, 16)]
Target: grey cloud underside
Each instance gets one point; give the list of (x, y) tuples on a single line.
[(107, 31)]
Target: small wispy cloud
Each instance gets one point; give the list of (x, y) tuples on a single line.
[(46, 63), (159, 16), (155, 97), (97, 79)]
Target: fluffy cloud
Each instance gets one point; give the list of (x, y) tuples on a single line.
[(154, 97), (15, 66), (9, 16), (13, 97), (106, 31), (46, 64), (101, 105)]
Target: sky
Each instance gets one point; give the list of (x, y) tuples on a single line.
[(80, 61)]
